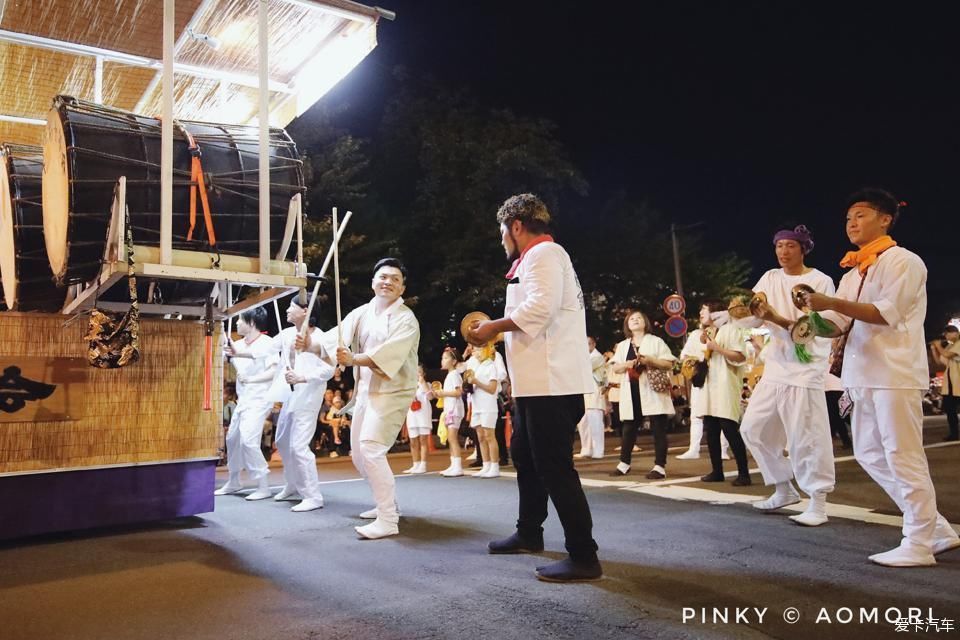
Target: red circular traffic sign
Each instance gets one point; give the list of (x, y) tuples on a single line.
[(674, 305)]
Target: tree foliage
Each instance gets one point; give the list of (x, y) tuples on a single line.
[(425, 187)]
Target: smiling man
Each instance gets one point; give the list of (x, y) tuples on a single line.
[(546, 345), (380, 343), (880, 304), (788, 407)]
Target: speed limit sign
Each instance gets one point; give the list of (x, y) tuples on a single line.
[(674, 305)]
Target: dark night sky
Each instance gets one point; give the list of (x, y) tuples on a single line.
[(740, 114)]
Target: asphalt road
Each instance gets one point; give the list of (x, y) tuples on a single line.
[(682, 559)]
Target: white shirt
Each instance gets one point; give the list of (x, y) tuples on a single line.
[(652, 403), (779, 356), (424, 417), (891, 356), (695, 349), (306, 396), (484, 372), (548, 355), (265, 352), (453, 407), (721, 391)]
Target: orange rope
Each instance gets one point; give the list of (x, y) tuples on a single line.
[(197, 181)]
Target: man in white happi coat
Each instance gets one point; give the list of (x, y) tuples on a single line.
[(591, 424), (881, 304), (255, 359), (308, 375), (381, 340), (788, 407)]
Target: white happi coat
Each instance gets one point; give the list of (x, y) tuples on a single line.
[(721, 391), (383, 393), (598, 366), (694, 349), (652, 403), (548, 355)]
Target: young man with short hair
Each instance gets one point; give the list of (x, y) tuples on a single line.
[(880, 304), (788, 407)]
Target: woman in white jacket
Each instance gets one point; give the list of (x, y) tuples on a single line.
[(632, 360)]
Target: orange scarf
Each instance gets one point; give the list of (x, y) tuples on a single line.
[(867, 255)]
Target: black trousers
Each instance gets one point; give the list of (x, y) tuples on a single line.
[(615, 422), (950, 410), (713, 425), (838, 426), (542, 451), (658, 424), (500, 432)]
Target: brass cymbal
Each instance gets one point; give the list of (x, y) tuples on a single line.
[(796, 294), (468, 321)]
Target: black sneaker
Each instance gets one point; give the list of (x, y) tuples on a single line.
[(712, 477), (475, 464), (951, 438), (616, 473), (568, 570), (742, 481), (515, 544)]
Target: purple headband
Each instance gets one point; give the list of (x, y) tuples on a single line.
[(801, 235)]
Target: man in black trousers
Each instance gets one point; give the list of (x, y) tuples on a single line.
[(546, 346)]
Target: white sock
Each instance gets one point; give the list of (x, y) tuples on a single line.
[(623, 467)]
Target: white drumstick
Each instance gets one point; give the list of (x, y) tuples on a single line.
[(336, 277), (323, 271)]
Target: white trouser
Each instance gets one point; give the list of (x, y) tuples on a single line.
[(370, 459), (696, 436), (782, 416), (591, 433), (295, 429), (888, 443), (243, 441)]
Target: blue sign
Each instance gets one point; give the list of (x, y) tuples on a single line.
[(675, 326)]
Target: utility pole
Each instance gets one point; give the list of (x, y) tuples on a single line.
[(676, 252)]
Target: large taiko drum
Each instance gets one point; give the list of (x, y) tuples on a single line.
[(87, 147), (24, 269)]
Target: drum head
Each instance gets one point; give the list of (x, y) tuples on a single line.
[(8, 249), (56, 193)]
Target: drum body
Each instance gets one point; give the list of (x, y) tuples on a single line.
[(24, 269), (87, 147)]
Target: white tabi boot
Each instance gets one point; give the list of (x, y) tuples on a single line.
[(696, 435), (379, 528), (308, 505), (286, 494), (816, 512), (907, 554), (233, 485), (944, 537), (783, 496), (263, 490)]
